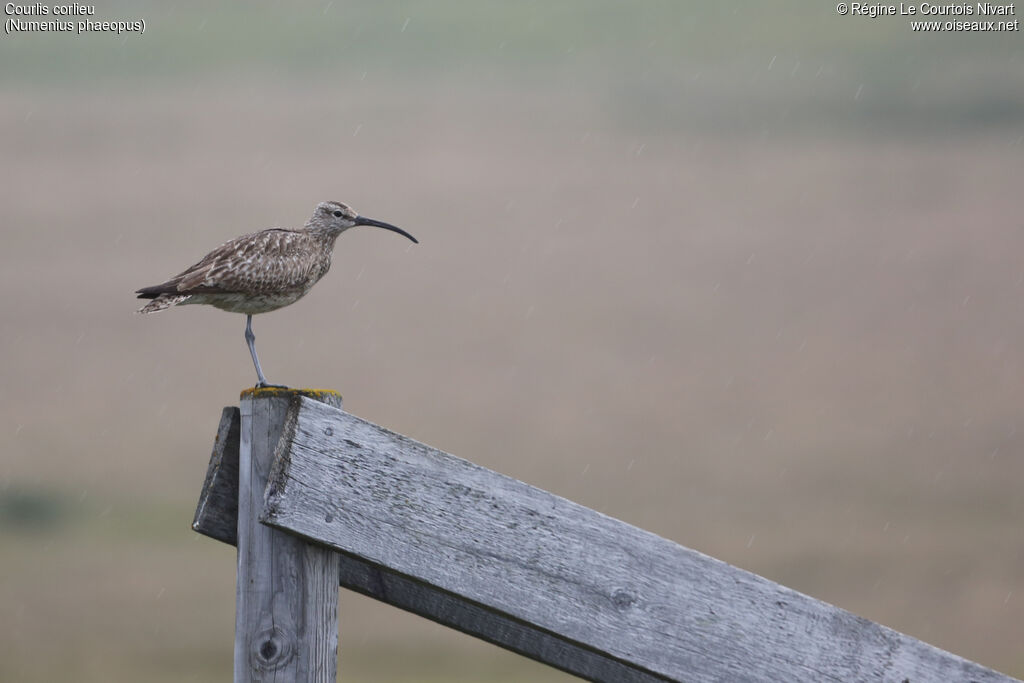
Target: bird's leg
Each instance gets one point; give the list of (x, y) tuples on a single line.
[(250, 339)]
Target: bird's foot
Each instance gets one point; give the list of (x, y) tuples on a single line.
[(268, 385)]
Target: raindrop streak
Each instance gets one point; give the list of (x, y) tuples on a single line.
[(405, 25)]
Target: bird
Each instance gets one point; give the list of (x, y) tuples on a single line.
[(262, 271)]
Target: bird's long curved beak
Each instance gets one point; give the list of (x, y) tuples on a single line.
[(363, 220)]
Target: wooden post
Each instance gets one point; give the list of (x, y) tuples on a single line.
[(286, 618), (501, 560)]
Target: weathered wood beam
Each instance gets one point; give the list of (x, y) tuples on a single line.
[(596, 584), (217, 512), (217, 517), (286, 599)]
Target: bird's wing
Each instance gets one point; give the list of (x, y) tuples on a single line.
[(270, 260)]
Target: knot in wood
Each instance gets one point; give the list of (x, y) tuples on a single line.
[(271, 649), (328, 431), (623, 599)]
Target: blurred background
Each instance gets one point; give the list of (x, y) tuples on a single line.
[(747, 275)]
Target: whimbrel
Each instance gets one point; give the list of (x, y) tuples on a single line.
[(262, 271)]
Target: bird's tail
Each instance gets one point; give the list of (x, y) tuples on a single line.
[(164, 301)]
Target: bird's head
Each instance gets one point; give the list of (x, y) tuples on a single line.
[(335, 218)]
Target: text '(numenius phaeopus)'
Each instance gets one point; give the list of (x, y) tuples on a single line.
[(64, 18)]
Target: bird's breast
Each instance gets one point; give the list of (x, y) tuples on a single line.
[(250, 303)]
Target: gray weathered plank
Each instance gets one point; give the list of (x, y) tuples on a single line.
[(217, 517), (286, 618), (217, 511), (594, 582), (476, 620)]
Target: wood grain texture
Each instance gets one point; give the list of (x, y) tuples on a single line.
[(482, 622), (217, 511), (595, 583), (286, 619), (217, 517)]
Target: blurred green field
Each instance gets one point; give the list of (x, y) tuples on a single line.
[(749, 67), (745, 275)]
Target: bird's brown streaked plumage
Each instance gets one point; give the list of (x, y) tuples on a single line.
[(250, 274), (262, 271)]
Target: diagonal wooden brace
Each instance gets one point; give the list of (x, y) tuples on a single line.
[(547, 578)]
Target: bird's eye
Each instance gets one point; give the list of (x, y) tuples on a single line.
[(337, 214)]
